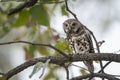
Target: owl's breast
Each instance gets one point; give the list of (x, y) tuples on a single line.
[(80, 44)]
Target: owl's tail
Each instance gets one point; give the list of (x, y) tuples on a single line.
[(90, 66)]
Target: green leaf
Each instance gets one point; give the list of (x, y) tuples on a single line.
[(40, 14), (64, 12), (22, 19), (83, 72), (43, 51), (30, 51), (2, 78), (63, 46)]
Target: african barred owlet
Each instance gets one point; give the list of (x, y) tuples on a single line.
[(79, 40)]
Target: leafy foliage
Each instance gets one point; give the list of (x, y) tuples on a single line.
[(40, 14), (36, 20), (63, 46), (64, 12), (22, 19)]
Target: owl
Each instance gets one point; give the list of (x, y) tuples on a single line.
[(79, 39)]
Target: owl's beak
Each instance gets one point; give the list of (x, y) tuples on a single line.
[(70, 30)]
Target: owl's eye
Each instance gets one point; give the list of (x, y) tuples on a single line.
[(66, 25), (73, 24)]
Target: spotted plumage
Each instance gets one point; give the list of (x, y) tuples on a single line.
[(79, 39)]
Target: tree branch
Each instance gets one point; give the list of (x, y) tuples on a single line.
[(36, 44), (29, 3), (67, 8), (62, 59), (101, 75), (52, 2)]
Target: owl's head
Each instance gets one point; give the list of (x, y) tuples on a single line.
[(72, 26)]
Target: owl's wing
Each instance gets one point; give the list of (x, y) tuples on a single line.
[(89, 39)]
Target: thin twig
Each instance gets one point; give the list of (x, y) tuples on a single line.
[(67, 8), (101, 42), (27, 4), (36, 44), (105, 66), (67, 71), (79, 67), (53, 2)]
